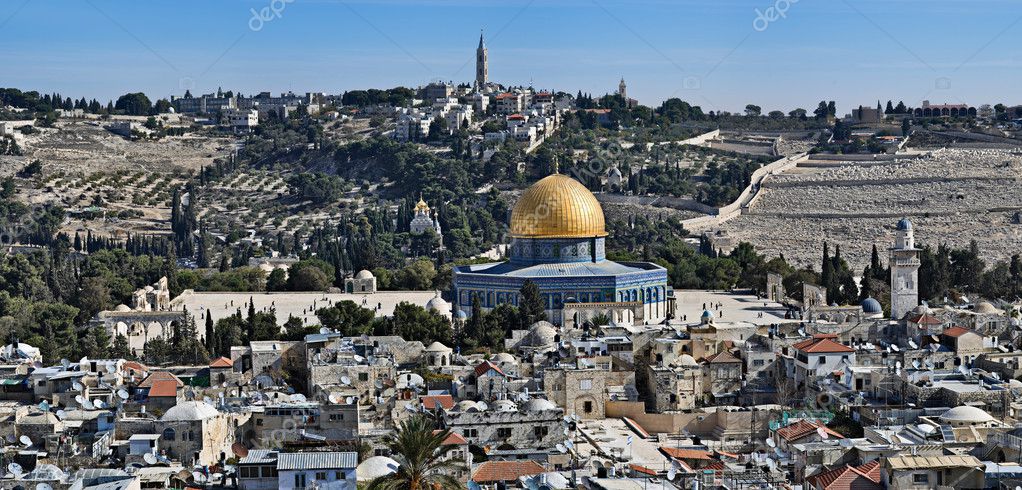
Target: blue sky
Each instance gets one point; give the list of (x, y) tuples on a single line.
[(708, 52)]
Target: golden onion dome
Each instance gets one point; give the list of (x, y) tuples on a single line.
[(421, 206), (557, 206)]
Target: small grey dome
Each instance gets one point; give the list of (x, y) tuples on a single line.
[(904, 225), (871, 306)]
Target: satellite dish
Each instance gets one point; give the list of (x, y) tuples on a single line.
[(845, 443), (239, 450), (111, 367), (83, 360), (561, 449), (122, 394), (25, 441), (76, 386), (345, 380), (823, 433), (99, 404), (349, 400), (64, 363), (207, 400), (409, 407), (44, 406), (895, 348), (61, 414), (43, 486), (964, 370), (324, 331), (771, 443), (149, 458), (672, 473), (779, 453), (912, 344), (87, 404), (568, 444), (378, 384), (482, 406), (298, 397), (80, 399), (915, 363), (332, 398)]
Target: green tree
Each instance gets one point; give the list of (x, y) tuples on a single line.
[(420, 452), (531, 304)]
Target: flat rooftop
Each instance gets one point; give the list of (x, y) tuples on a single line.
[(612, 436), (301, 305), (734, 307)]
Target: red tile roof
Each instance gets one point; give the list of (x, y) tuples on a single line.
[(680, 453), (486, 366), (163, 388), (506, 95), (430, 402), (157, 376), (924, 319), (956, 331), (723, 357), (848, 477), (803, 428), (642, 469), (498, 471), (221, 362), (453, 438), (822, 346)]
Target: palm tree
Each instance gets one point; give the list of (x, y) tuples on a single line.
[(419, 451)]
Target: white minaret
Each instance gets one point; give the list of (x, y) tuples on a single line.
[(482, 65), (904, 271)]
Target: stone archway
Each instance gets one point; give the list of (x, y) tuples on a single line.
[(586, 407)]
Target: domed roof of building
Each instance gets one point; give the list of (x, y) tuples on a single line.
[(542, 333), (965, 413), (438, 304), (539, 405), (615, 172), (504, 406), (985, 307), (922, 310), (189, 411), (364, 274), (375, 467), (122, 307), (465, 405), (1014, 383), (460, 314), (686, 360), (437, 347), (45, 471), (707, 314), (504, 358), (421, 206), (872, 306), (904, 225), (557, 206)]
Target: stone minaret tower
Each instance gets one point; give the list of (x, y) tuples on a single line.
[(482, 65), (904, 271), (622, 89)]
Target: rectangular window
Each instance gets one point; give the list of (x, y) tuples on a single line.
[(541, 431), (920, 478), (321, 475), (267, 471), (363, 376), (588, 407), (585, 384), (300, 480), (758, 362), (504, 432), (338, 475)]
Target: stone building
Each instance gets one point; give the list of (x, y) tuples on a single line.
[(536, 424), (674, 385), (195, 432), (904, 271), (424, 220), (274, 424), (584, 388), (723, 373), (363, 283)]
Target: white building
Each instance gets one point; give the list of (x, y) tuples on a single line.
[(821, 357), (243, 119), (509, 103), (423, 220), (412, 125), (904, 271)]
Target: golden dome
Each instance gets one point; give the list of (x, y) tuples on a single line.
[(421, 206), (557, 206)]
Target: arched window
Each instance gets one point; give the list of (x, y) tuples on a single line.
[(168, 434)]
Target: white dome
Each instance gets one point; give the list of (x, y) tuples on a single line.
[(438, 304), (966, 413), (504, 406), (542, 333), (122, 307), (504, 358), (686, 360), (45, 472), (364, 274), (1014, 383), (539, 405), (190, 411), (437, 347), (375, 467), (986, 307), (466, 405)]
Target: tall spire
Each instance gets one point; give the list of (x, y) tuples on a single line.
[(482, 67), (481, 44)]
